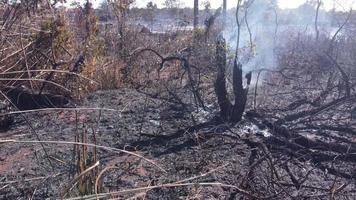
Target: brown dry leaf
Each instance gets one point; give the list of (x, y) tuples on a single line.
[(141, 171)]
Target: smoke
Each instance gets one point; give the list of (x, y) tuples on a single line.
[(269, 26), (257, 36)]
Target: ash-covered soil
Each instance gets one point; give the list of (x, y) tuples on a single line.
[(178, 139)]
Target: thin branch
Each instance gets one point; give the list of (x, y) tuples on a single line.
[(111, 149)]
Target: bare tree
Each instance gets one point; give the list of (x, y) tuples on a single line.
[(319, 3), (196, 13), (171, 3), (228, 111), (120, 10), (248, 4), (240, 92), (224, 12)]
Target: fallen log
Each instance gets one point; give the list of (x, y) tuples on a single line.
[(23, 99)]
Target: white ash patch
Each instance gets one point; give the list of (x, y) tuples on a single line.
[(155, 122), (201, 115), (254, 130)]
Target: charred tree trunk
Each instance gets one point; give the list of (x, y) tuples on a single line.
[(239, 92), (228, 111), (220, 83)]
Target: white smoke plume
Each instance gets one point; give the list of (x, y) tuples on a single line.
[(268, 26)]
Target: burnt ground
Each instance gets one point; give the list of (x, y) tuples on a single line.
[(178, 139)]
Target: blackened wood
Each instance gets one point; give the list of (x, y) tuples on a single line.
[(220, 82)]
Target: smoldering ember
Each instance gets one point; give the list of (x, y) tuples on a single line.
[(178, 99)]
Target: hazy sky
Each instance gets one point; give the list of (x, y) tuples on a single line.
[(328, 4)]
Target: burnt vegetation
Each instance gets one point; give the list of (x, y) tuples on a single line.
[(171, 102)]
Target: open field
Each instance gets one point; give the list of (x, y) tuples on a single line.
[(120, 102)]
